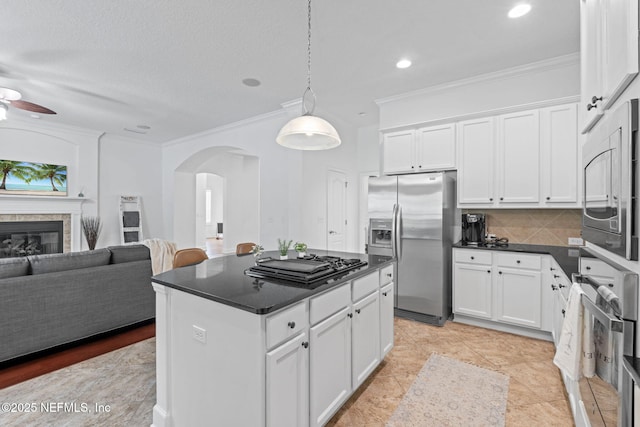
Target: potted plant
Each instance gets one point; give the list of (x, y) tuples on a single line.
[(257, 250), (301, 248), (283, 248)]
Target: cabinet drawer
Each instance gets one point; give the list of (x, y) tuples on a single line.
[(595, 267), (518, 260), (328, 303), (286, 323), (471, 256), (386, 275), (364, 286)]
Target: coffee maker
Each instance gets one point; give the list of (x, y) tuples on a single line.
[(473, 228)]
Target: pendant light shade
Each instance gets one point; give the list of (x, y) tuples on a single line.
[(3, 112), (308, 132)]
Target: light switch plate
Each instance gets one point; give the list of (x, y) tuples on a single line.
[(576, 241), (199, 334)]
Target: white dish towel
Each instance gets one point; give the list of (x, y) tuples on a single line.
[(575, 354)]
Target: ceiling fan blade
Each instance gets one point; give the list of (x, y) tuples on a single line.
[(30, 106)]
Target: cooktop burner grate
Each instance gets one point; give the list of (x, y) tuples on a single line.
[(308, 270)]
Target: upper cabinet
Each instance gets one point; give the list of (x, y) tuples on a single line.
[(476, 161), (419, 150), (609, 54)]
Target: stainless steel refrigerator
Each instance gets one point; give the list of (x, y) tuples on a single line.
[(414, 218)]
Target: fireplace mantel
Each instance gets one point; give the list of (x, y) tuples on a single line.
[(48, 205)]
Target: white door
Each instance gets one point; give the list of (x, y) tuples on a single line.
[(365, 338), (287, 384), (386, 320), (559, 145), (398, 152), (476, 162), (336, 211), (519, 297), (472, 290), (436, 148), (329, 366), (519, 157)]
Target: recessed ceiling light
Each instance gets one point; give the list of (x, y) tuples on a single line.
[(519, 10), (362, 113), (34, 116), (403, 63), (251, 82)]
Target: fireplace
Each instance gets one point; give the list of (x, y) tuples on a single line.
[(30, 238)]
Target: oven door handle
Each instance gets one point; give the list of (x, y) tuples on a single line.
[(613, 324), (607, 294)]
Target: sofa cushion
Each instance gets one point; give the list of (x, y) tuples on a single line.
[(129, 253), (13, 267), (51, 263)]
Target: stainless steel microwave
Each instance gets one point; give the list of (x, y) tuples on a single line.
[(609, 157)]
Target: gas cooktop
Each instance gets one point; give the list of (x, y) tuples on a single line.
[(308, 270)]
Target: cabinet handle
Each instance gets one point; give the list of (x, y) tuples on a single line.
[(358, 310), (517, 261), (563, 311), (501, 198), (491, 199), (552, 269), (548, 198), (560, 286), (588, 268), (413, 167), (291, 325), (305, 344), (420, 166), (499, 272), (595, 99), (389, 275), (555, 276), (350, 315), (554, 288), (472, 258), (489, 271), (384, 293)]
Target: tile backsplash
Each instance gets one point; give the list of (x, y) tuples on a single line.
[(533, 226)]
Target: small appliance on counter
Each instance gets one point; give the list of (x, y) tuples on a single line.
[(473, 228)]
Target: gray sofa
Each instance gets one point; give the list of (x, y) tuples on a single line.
[(56, 299)]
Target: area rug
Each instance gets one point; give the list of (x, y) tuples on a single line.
[(448, 392)]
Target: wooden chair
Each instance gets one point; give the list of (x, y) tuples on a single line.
[(244, 248), (189, 256)]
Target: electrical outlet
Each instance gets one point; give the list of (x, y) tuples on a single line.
[(199, 334), (575, 241)]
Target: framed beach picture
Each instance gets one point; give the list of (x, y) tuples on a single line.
[(27, 178)]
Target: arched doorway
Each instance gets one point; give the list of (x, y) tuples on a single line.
[(240, 178)]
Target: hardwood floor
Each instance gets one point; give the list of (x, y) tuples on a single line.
[(15, 374)]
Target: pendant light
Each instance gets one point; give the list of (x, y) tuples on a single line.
[(308, 132), (3, 111)]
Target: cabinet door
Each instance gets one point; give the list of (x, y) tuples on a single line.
[(590, 64), (476, 162), (472, 290), (519, 157), (287, 383), (365, 338), (519, 297), (386, 319), (620, 47), (398, 152), (329, 366), (559, 305), (436, 148), (559, 145)]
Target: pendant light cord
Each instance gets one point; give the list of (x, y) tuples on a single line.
[(305, 111)]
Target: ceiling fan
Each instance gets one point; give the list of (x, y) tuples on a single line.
[(14, 98)]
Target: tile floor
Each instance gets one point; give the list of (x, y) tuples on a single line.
[(536, 392)]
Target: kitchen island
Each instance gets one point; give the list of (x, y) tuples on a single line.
[(239, 350)]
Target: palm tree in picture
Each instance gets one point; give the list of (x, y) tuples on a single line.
[(17, 169), (55, 173)]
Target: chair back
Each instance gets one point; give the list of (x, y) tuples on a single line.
[(188, 256), (244, 248)]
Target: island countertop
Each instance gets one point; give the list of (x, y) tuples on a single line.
[(222, 279)]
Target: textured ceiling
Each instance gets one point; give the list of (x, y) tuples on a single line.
[(177, 66)]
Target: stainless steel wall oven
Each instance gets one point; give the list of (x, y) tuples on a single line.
[(610, 182)]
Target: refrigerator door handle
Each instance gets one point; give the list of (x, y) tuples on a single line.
[(394, 231), (397, 222)]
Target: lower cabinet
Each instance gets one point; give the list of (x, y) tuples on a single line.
[(519, 297), (288, 383), (330, 366), (386, 320), (365, 338), (473, 290)]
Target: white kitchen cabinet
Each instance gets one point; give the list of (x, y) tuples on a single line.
[(518, 157), (330, 366), (476, 162), (559, 170), (420, 150), (473, 287), (609, 50), (287, 383), (386, 319), (365, 338), (519, 297)]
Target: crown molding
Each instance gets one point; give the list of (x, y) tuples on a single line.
[(534, 67)]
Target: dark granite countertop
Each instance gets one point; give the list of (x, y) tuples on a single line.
[(566, 257), (223, 280)]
